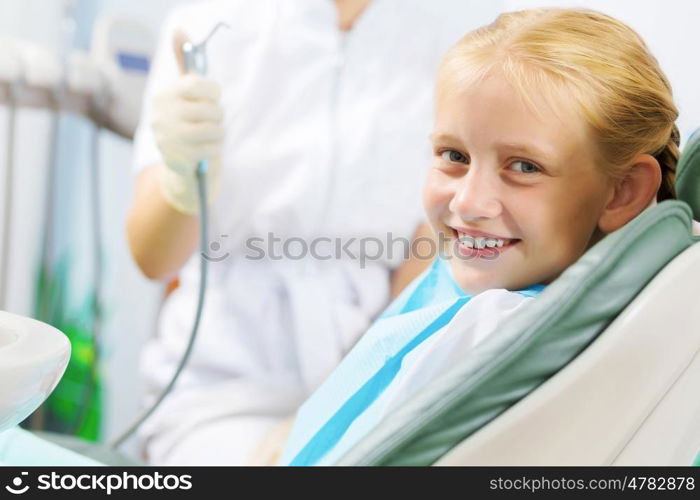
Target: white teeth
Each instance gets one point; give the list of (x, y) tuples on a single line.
[(480, 241), (467, 241)]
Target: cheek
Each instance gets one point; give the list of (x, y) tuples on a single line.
[(564, 225)]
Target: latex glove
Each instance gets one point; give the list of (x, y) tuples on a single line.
[(187, 125)]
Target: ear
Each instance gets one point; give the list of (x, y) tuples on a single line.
[(632, 194)]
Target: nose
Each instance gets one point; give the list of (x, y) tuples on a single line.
[(477, 195)]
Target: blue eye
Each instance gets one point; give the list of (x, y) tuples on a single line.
[(526, 167), (454, 156)]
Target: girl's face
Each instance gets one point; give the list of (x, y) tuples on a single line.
[(501, 175)]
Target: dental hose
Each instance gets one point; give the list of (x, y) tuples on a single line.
[(194, 61), (203, 238)]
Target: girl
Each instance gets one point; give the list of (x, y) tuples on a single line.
[(553, 128)]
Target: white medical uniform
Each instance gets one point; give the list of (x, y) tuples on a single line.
[(326, 135)]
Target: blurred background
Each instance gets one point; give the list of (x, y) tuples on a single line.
[(71, 76)]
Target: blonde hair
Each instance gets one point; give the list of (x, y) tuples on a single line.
[(601, 65)]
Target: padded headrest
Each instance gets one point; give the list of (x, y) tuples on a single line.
[(538, 342), (688, 174)]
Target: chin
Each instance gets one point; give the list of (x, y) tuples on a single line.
[(475, 283)]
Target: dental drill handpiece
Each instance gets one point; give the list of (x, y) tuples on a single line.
[(195, 62), (194, 56)]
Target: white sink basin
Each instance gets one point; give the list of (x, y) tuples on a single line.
[(33, 357)]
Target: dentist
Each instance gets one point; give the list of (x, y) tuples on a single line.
[(314, 116)]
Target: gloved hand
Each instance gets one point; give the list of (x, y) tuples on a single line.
[(187, 124)]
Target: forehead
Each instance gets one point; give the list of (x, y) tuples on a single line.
[(491, 110)]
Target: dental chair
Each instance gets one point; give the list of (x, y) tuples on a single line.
[(33, 357), (603, 368)]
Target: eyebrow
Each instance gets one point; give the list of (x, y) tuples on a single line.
[(513, 146), (524, 148), (442, 137)]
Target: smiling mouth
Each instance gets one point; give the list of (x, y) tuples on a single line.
[(482, 246), (479, 242)]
